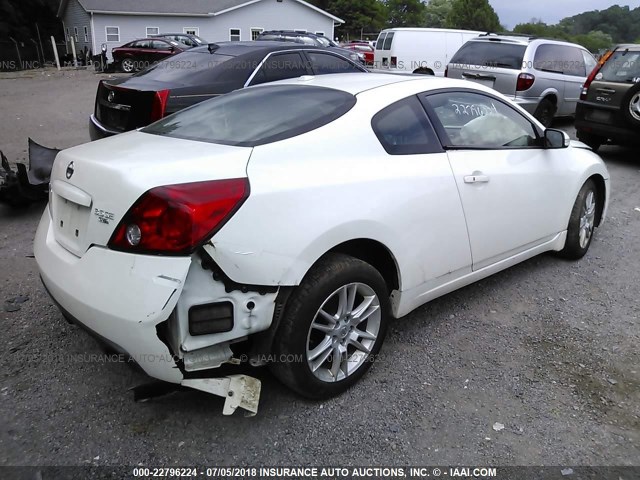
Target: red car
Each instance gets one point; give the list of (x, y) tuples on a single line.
[(139, 54), (363, 48)]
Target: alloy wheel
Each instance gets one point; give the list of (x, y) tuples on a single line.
[(343, 332), (587, 219)]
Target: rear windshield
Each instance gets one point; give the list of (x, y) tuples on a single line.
[(623, 67), (490, 54), (187, 68), (256, 116)]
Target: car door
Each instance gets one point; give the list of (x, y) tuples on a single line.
[(513, 190), (159, 50), (575, 73), (279, 66), (430, 226)]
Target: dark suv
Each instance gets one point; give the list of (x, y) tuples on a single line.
[(310, 39), (609, 107), (201, 73)]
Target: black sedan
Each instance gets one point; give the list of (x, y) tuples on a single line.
[(202, 73)]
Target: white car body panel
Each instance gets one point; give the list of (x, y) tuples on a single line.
[(308, 194)]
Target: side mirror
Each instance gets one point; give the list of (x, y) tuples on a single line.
[(556, 138)]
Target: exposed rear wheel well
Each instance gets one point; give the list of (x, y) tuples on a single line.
[(423, 71), (376, 255)]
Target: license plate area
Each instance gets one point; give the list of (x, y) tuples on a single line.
[(600, 116), (70, 224)]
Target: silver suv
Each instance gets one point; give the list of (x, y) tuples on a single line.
[(543, 76)]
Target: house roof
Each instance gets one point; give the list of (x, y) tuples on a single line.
[(204, 8)]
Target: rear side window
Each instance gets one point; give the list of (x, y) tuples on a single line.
[(323, 63), (622, 67), (404, 129), (380, 41), (280, 67), (254, 116), (490, 54), (560, 59), (192, 68)]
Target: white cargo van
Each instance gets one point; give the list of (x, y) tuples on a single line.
[(418, 50)]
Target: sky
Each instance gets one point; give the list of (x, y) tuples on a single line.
[(512, 12)]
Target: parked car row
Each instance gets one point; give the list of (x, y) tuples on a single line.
[(202, 73)]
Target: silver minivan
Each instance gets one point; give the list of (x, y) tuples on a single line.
[(543, 76)]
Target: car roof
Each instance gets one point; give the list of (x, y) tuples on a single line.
[(240, 48), (355, 83), (520, 39)]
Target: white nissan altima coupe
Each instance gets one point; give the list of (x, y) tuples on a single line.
[(286, 224)]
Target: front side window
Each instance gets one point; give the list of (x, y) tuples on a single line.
[(280, 67), (254, 116), (160, 45), (113, 34), (404, 129), (473, 120), (323, 63), (234, 34)]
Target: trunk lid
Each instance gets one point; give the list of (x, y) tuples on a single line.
[(123, 108), (94, 185)]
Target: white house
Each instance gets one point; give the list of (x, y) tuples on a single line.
[(91, 23)]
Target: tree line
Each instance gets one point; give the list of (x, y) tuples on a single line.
[(596, 30)]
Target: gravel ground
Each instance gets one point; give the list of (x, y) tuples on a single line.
[(548, 348)]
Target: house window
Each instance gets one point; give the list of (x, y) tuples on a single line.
[(320, 33), (86, 34), (113, 34), (68, 36), (191, 31), (255, 32), (152, 31), (234, 34), (75, 34)]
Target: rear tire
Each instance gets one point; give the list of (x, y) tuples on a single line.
[(127, 65), (593, 141), (333, 327), (545, 112), (581, 222)]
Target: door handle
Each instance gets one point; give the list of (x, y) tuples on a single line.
[(476, 179)]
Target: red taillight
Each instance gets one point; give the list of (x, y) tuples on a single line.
[(175, 219), (592, 75), (159, 104), (525, 80)]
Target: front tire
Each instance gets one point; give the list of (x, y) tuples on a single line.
[(581, 222), (333, 327)]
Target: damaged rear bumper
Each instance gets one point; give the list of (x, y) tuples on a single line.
[(140, 306), (118, 297)]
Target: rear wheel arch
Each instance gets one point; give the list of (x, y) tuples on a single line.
[(423, 71), (375, 254)]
